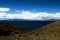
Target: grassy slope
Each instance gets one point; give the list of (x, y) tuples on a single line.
[(48, 32), (13, 28)]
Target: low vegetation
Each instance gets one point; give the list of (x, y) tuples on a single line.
[(48, 32)]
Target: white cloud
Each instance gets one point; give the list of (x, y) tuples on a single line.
[(2, 15), (34, 16), (4, 9), (28, 15)]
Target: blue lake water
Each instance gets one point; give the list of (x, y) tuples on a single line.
[(29, 24)]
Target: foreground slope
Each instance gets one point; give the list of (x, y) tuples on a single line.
[(7, 29), (48, 32)]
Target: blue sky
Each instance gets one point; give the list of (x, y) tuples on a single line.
[(31, 6), (39, 5)]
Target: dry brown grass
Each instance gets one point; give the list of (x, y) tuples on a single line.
[(48, 32)]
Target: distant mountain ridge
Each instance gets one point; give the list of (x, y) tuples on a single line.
[(29, 20)]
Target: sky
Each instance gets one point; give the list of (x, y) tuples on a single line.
[(30, 9)]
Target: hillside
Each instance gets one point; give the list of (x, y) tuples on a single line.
[(47, 32), (7, 29)]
